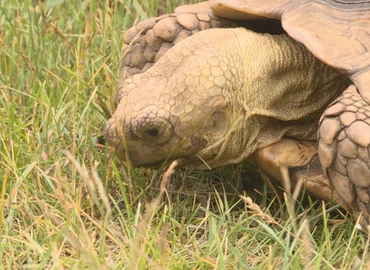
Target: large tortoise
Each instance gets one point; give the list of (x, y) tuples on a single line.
[(224, 95)]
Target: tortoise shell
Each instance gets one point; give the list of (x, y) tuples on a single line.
[(335, 31)]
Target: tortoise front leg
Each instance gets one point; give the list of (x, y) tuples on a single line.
[(301, 160), (146, 42), (344, 150)]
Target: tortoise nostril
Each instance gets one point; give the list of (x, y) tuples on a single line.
[(153, 132)]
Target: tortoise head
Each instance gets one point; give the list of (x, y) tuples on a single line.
[(180, 108)]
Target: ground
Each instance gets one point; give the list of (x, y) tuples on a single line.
[(67, 203)]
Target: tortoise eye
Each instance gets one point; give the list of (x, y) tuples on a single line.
[(152, 132)]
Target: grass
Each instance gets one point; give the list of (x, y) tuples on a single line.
[(65, 203)]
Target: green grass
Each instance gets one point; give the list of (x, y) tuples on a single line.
[(65, 203)]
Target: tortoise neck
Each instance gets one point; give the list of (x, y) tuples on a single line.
[(284, 90)]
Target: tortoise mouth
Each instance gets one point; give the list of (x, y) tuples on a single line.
[(151, 159)]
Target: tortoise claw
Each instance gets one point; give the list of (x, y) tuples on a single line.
[(300, 159), (344, 150)]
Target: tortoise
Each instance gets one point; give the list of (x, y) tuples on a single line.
[(284, 83)]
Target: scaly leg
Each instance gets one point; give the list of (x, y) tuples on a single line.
[(344, 150)]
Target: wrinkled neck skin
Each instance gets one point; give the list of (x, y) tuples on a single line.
[(284, 92), (220, 95)]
